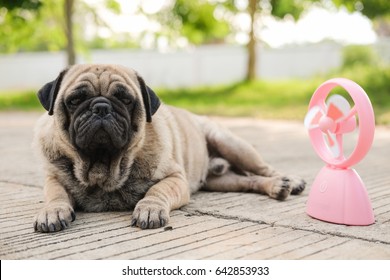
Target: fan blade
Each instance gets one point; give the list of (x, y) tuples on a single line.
[(332, 144), (313, 117), (338, 107), (348, 123)]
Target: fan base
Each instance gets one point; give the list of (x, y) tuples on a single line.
[(339, 196)]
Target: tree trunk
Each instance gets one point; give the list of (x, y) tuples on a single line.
[(70, 51), (251, 47)]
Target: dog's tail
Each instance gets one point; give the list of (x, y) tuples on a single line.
[(223, 143)]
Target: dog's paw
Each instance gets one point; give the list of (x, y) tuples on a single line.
[(54, 217), (281, 188), (298, 185), (218, 166), (286, 185), (149, 214)]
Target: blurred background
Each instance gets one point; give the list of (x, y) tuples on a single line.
[(257, 58)]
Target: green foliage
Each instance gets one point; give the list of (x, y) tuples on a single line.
[(264, 99), (113, 6), (196, 20), (375, 80), (277, 8), (282, 99), (281, 8), (25, 100), (193, 20), (362, 65), (26, 31), (21, 4), (370, 8), (32, 30), (359, 55), (37, 25)]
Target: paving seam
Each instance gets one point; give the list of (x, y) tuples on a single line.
[(275, 224)]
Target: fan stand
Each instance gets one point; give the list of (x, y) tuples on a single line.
[(339, 196)]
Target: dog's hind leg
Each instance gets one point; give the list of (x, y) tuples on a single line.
[(244, 159), (235, 150), (275, 187)]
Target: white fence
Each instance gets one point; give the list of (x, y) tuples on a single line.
[(200, 66)]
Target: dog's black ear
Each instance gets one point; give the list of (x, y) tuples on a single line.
[(150, 98), (48, 93)]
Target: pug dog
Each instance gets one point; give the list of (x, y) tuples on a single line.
[(109, 144)]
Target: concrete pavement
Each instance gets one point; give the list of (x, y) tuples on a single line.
[(213, 225)]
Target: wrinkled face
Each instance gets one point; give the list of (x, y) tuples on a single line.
[(101, 108), (103, 112), (100, 122)]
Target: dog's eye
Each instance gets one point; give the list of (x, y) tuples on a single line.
[(123, 96), (126, 101), (75, 101), (78, 96)]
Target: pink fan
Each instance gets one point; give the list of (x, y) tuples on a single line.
[(338, 194)]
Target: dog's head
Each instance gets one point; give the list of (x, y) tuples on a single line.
[(99, 107)]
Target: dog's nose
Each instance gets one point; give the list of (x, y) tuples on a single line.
[(101, 107)]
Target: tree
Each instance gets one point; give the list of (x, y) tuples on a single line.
[(370, 8), (41, 25), (28, 25), (21, 4), (210, 21), (70, 49), (193, 20), (257, 8), (251, 47)]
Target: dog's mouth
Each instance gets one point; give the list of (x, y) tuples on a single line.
[(99, 150), (92, 132), (101, 141), (99, 135), (99, 131), (101, 138)]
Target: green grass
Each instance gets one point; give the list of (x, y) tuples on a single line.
[(262, 99), (19, 100), (280, 100)]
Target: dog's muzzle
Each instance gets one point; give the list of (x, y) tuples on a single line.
[(100, 127)]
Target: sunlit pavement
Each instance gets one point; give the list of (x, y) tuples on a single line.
[(212, 225)]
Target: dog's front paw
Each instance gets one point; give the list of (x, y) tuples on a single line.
[(54, 217), (148, 213)]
